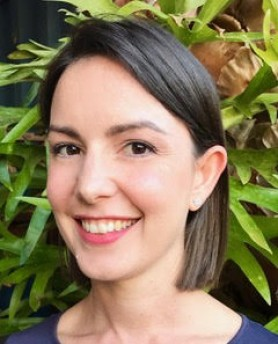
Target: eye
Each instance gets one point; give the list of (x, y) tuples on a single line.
[(138, 148), (64, 150)]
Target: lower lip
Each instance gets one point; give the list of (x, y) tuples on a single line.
[(102, 239)]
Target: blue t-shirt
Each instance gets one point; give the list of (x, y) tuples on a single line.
[(45, 333)]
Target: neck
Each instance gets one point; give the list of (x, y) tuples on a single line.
[(136, 306)]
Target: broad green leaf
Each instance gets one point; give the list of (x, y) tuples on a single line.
[(15, 73), (5, 233), (183, 6), (20, 55), (39, 285), (262, 81), (20, 185), (272, 111), (273, 325), (96, 7), (6, 69), (270, 53), (33, 45), (11, 245), (267, 28), (18, 76), (37, 201), (273, 258), (4, 175), (24, 273), (268, 224), (32, 94), (31, 53), (11, 115), (31, 118), (255, 194), (231, 117), (39, 46), (135, 6), (34, 231), (242, 36), (272, 5), (47, 254), (73, 18), (2, 133), (73, 287), (59, 304), (205, 34), (263, 161), (238, 233), (167, 6), (248, 224), (270, 57), (8, 263), (181, 32), (19, 275), (240, 254), (269, 100), (209, 11), (9, 326), (16, 299), (39, 73), (22, 150), (31, 50), (179, 6)]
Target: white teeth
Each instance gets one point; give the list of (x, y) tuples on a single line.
[(118, 225), (87, 227), (110, 227), (103, 226), (93, 228)]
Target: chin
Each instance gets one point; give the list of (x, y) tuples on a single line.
[(102, 274)]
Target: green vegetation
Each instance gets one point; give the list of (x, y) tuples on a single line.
[(240, 49)]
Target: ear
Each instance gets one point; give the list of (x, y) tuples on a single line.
[(208, 170)]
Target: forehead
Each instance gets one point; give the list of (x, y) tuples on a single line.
[(97, 89), (99, 74)]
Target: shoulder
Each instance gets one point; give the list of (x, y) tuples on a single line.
[(252, 332), (43, 333)]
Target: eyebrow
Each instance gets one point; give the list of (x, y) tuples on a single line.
[(121, 128), (114, 130), (68, 131)]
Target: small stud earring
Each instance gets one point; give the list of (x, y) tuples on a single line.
[(196, 203)]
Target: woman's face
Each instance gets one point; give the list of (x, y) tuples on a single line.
[(122, 173)]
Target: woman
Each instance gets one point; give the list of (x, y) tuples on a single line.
[(138, 185)]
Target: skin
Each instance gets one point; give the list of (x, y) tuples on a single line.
[(117, 153)]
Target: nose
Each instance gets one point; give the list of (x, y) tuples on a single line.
[(95, 179)]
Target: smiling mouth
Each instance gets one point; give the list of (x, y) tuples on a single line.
[(106, 226)]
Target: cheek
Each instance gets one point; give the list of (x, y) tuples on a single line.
[(60, 183), (160, 187)]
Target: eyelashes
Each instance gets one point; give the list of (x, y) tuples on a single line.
[(139, 148), (64, 149), (131, 148)]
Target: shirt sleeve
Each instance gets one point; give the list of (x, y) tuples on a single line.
[(252, 332), (43, 333)]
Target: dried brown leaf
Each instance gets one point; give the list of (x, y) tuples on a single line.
[(215, 55), (249, 13), (238, 72), (270, 137)]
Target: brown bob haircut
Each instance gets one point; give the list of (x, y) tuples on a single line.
[(168, 71)]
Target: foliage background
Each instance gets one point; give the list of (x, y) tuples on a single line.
[(239, 47)]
